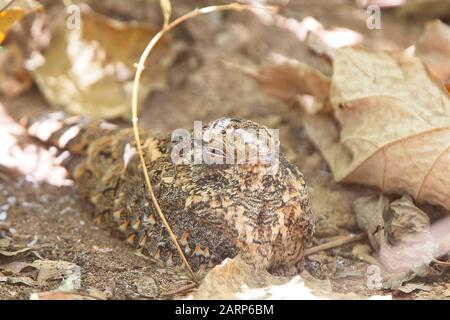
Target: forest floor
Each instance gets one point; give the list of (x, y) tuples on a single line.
[(44, 210)]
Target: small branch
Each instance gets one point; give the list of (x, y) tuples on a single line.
[(441, 263), (336, 243), (135, 98), (182, 289)]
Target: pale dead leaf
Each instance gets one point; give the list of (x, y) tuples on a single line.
[(410, 287), (434, 48), (14, 79), (18, 280), (14, 267), (13, 253), (319, 46), (400, 234), (90, 71), (60, 295), (407, 220), (391, 125), (289, 79), (423, 9), (166, 8), (234, 279), (363, 252), (43, 271), (13, 11), (51, 270), (370, 215), (94, 292)]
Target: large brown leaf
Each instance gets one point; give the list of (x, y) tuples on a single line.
[(90, 70), (13, 11), (390, 126), (434, 48)]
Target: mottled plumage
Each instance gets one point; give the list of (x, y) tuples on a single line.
[(215, 210)]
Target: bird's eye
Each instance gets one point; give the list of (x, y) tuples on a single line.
[(216, 151)]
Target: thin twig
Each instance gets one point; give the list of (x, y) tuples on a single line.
[(134, 105), (441, 263), (336, 243), (179, 290)]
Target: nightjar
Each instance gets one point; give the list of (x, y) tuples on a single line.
[(216, 208)]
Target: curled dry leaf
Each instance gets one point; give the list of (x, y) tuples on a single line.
[(49, 269), (166, 8), (18, 280), (410, 287), (407, 221), (39, 272), (90, 70), (370, 215), (400, 234), (13, 253), (13, 11), (390, 126), (234, 279), (434, 48)]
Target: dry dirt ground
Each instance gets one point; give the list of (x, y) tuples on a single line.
[(58, 223)]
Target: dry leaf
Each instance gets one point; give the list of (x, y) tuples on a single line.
[(13, 11), (13, 253), (90, 71), (14, 79), (14, 267), (39, 272), (289, 79), (410, 287), (51, 270), (18, 280), (166, 8), (4, 244), (60, 295), (234, 279), (434, 48), (371, 213), (407, 220), (319, 46), (391, 125), (423, 9), (400, 234), (101, 295)]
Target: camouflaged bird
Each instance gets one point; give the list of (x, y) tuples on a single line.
[(215, 210)]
